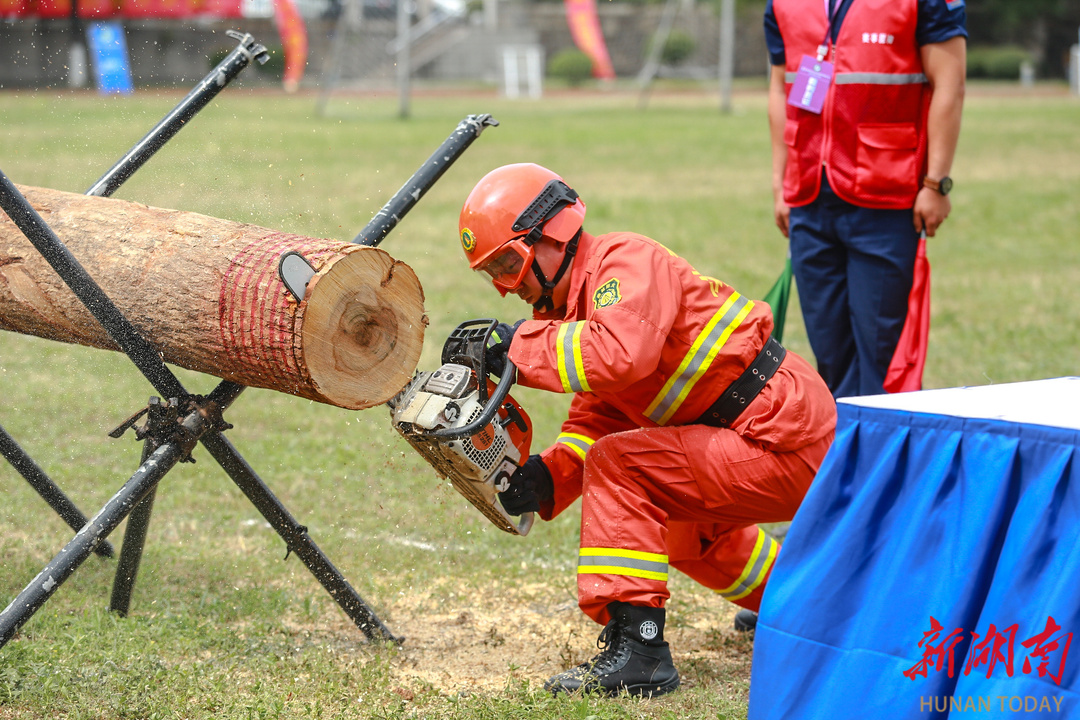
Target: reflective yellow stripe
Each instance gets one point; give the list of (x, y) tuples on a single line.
[(560, 356), (757, 568), (612, 570), (617, 552), (699, 358), (568, 357), (631, 563), (578, 443)]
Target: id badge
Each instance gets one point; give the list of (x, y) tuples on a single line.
[(811, 84)]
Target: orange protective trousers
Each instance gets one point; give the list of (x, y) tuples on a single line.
[(687, 497)]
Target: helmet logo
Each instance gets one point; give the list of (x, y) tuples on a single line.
[(648, 630), (607, 294), (468, 240)]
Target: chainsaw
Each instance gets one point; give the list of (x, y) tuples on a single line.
[(470, 429)]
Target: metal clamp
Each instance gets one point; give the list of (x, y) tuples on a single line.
[(165, 422)]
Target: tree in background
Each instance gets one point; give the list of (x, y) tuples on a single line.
[(1047, 29)]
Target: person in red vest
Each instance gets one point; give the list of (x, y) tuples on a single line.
[(865, 101), (688, 425)]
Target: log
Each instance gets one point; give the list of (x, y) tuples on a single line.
[(206, 293)]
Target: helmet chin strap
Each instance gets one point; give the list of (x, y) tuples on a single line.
[(545, 303)]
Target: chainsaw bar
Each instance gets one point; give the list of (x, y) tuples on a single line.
[(478, 467)]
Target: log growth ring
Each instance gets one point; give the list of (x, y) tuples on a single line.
[(362, 326)]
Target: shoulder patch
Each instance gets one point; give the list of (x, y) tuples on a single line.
[(468, 240), (607, 294)]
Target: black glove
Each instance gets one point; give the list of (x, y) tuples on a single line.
[(529, 486), (495, 354)]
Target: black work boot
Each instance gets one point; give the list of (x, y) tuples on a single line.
[(745, 621), (633, 657)]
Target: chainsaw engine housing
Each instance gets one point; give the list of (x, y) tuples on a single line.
[(479, 465)]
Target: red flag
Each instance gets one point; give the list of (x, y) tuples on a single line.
[(585, 30), (294, 42), (906, 369)]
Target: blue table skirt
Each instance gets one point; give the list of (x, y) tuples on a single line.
[(916, 516)]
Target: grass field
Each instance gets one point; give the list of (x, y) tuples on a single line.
[(220, 625)]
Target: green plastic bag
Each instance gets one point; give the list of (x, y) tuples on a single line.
[(778, 297)]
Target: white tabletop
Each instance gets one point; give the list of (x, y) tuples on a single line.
[(1054, 402)]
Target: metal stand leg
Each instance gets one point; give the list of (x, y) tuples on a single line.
[(79, 548), (46, 488), (137, 496), (296, 538), (134, 542), (147, 359)]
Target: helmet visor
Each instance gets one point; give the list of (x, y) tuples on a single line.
[(508, 266)]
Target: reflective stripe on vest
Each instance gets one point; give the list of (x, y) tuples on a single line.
[(699, 358), (869, 78), (613, 561), (568, 349), (578, 443), (757, 568)]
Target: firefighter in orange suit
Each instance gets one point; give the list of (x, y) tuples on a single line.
[(688, 425)]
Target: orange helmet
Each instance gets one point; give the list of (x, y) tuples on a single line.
[(510, 210)]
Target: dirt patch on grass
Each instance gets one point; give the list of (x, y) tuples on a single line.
[(523, 634)]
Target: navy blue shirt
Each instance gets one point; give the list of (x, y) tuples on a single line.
[(938, 21)]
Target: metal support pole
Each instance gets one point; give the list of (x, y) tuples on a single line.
[(139, 490), (296, 537), (172, 123), (727, 53), (46, 488), (79, 548), (347, 23), (429, 173), (146, 358), (652, 63), (134, 541), (228, 69), (292, 532), (404, 71), (197, 99)]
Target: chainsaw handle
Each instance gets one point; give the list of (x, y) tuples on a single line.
[(525, 524), (490, 408)]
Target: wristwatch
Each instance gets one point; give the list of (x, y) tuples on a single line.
[(943, 186)]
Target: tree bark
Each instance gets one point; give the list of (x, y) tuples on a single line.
[(207, 294)]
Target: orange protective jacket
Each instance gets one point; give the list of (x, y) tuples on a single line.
[(871, 134), (648, 341)]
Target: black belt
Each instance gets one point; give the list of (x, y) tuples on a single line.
[(745, 388)]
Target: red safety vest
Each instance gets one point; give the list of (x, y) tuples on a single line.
[(871, 134)]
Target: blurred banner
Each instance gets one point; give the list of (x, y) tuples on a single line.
[(109, 56), (294, 42), (13, 8), (159, 8), (127, 9), (585, 29), (221, 8)]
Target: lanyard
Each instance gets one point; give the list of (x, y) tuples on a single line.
[(832, 11)]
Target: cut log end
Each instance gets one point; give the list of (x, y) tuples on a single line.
[(206, 292), (362, 328)]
